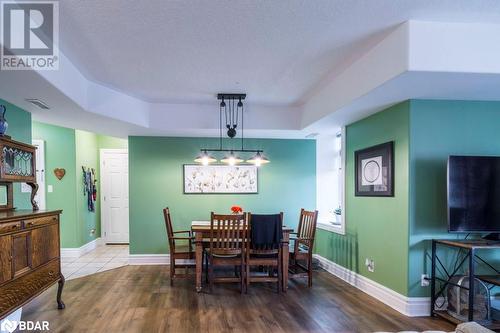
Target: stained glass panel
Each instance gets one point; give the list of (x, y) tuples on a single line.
[(17, 162)]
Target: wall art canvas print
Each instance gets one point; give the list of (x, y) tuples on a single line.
[(220, 179), (375, 171)]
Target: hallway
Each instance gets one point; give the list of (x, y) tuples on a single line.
[(101, 259)]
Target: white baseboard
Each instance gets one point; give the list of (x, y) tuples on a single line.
[(154, 259), (76, 252), (409, 306), (149, 259)]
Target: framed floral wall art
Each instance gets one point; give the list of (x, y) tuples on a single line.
[(217, 179)]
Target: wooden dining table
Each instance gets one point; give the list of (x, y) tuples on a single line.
[(201, 230)]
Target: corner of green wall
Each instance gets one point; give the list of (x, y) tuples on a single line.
[(19, 129)]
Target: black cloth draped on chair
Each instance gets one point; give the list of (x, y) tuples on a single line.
[(266, 231)]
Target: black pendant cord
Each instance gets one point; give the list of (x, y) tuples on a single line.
[(220, 127), (225, 113), (236, 123), (228, 110), (242, 127), (232, 114)]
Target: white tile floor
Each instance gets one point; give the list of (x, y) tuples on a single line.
[(101, 259)]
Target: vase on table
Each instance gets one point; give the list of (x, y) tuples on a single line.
[(3, 122)]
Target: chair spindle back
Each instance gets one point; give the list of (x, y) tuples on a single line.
[(307, 226), (170, 230), (228, 233)]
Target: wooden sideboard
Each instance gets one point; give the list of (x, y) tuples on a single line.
[(30, 260), (30, 256)]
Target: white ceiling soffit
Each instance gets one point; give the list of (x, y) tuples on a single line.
[(418, 60), (415, 60)]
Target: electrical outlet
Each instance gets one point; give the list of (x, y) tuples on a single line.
[(370, 265), (424, 280)]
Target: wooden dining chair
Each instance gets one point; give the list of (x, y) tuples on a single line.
[(178, 251), (303, 243), (228, 238), (269, 256)]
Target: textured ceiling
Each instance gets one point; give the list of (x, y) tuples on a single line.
[(276, 51)]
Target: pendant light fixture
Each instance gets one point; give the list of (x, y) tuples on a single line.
[(258, 159), (205, 158), (231, 118), (231, 159)]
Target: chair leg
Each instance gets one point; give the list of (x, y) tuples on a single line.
[(242, 280), (210, 274), (280, 272), (247, 277), (172, 270), (206, 267), (309, 272)]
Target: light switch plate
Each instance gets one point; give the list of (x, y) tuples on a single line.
[(50, 188)]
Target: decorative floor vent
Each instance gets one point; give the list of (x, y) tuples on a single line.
[(458, 299)]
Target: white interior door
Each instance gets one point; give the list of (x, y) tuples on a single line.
[(40, 172), (114, 195)]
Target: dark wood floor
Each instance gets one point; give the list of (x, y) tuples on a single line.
[(140, 299)]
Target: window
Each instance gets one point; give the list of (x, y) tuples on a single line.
[(330, 182)]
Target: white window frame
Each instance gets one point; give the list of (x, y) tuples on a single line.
[(329, 226)]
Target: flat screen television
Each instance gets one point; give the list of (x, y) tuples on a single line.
[(474, 194)]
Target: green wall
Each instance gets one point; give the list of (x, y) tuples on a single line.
[(376, 228), (286, 184), (110, 142), (71, 149), (440, 129), (19, 129), (395, 232), (87, 155), (60, 153)]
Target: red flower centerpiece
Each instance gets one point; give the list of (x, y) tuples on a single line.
[(236, 209)]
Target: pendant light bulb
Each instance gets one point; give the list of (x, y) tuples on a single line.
[(231, 159), (258, 160), (204, 158)]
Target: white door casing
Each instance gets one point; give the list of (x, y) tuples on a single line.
[(40, 172), (114, 195)]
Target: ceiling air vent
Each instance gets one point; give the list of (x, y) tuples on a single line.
[(38, 103), (312, 135)]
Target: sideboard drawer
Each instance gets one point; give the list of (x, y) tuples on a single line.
[(26, 287), (31, 223), (9, 227)]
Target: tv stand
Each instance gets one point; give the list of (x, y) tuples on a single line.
[(441, 276), (494, 236)]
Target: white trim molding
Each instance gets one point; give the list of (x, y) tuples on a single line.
[(76, 252), (328, 226), (154, 259), (409, 306), (149, 259)]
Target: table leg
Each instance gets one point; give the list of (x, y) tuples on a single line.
[(286, 254), (199, 259)]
